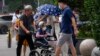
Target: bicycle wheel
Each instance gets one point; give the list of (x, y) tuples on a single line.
[(34, 53)]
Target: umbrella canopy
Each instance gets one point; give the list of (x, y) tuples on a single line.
[(37, 15), (49, 9)]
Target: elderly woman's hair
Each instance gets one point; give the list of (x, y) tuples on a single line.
[(41, 24)]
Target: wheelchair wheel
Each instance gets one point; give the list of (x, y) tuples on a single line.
[(46, 53), (42, 53), (34, 53)]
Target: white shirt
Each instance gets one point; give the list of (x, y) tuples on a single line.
[(14, 18)]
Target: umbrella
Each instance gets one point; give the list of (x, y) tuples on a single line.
[(37, 15), (49, 9)]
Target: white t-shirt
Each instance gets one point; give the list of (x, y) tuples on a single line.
[(14, 18), (60, 18)]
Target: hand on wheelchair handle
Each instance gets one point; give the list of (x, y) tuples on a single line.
[(49, 36), (32, 32)]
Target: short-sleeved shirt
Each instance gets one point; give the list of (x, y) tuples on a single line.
[(66, 23), (27, 22), (41, 32), (14, 18)]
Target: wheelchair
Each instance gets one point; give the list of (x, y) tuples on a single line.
[(46, 50)]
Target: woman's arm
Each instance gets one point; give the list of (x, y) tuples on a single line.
[(74, 24), (39, 35)]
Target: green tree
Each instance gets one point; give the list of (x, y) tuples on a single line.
[(15, 4), (91, 11)]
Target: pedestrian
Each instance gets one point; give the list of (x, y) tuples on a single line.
[(16, 15), (68, 21), (15, 24), (25, 26), (76, 15), (74, 37)]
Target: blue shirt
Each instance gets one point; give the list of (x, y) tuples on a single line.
[(41, 32), (66, 24)]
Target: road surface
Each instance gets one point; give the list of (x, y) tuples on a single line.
[(4, 50)]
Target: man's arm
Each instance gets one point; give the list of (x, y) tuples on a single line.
[(42, 17), (23, 27)]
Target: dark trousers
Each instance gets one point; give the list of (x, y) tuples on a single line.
[(21, 40), (42, 40), (74, 40)]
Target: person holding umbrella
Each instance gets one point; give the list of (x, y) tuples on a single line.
[(49, 14), (68, 21)]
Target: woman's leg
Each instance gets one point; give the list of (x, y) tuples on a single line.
[(24, 47)]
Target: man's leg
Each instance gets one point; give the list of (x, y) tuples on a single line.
[(71, 45), (20, 42), (73, 50), (58, 51), (30, 41), (65, 38), (60, 42), (74, 42)]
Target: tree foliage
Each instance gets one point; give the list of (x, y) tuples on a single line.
[(15, 4), (91, 11)]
